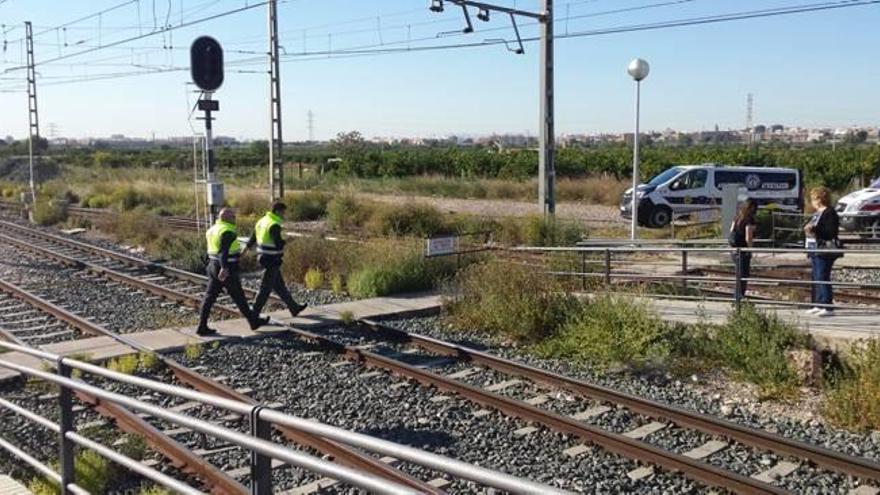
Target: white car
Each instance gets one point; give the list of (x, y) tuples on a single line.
[(860, 211)]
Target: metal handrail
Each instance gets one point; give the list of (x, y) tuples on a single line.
[(437, 462), (132, 464), (263, 447)]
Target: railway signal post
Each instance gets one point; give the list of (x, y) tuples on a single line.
[(206, 66)]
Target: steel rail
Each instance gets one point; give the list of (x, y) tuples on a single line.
[(403, 452), (821, 456), (105, 451), (124, 258), (180, 456), (263, 447), (340, 453), (165, 292), (39, 466), (613, 442), (344, 455)]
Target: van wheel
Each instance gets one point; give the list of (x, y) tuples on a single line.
[(660, 217)]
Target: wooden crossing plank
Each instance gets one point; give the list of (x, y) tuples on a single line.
[(780, 470), (645, 430), (706, 449), (9, 486), (590, 413)]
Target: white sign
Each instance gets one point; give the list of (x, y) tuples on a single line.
[(437, 246)]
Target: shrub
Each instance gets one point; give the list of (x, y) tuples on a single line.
[(413, 219), (345, 212), (314, 279), (337, 284), (347, 317), (302, 254), (154, 490), (508, 300), (612, 330), (186, 251), (136, 227), (126, 364), (542, 231), (92, 471), (193, 350), (49, 212), (249, 203), (753, 345), (853, 401), (306, 206), (406, 270), (148, 361)]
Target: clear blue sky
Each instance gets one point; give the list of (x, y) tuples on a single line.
[(814, 69)]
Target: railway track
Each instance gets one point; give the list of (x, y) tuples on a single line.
[(190, 460), (630, 444), (160, 279)]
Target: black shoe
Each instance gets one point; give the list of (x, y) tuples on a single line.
[(206, 332), (297, 309), (258, 322)]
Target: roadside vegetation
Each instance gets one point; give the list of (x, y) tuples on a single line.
[(854, 397), (521, 305)]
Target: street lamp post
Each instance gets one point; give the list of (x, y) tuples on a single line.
[(638, 69)]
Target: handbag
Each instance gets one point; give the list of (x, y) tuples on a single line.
[(831, 244)]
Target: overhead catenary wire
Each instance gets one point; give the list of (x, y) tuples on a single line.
[(387, 50)]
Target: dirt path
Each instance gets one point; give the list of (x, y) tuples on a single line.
[(589, 214)]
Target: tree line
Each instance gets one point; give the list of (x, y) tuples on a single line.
[(835, 167)]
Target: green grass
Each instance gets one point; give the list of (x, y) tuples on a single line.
[(126, 364), (314, 279), (509, 301), (193, 350), (613, 330), (853, 400)]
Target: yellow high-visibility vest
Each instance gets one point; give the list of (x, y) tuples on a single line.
[(265, 243), (215, 234)]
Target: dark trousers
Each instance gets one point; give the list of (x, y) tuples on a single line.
[(232, 284), (822, 293), (744, 262), (272, 281)]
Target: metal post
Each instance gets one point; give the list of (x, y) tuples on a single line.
[(635, 181), (684, 268), (214, 198), (584, 270), (607, 268), (276, 141), (547, 138), (261, 466), (33, 115), (65, 423), (737, 292)]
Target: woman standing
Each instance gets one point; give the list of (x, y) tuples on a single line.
[(742, 235), (822, 233)]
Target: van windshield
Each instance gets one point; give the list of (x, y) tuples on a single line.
[(665, 176)]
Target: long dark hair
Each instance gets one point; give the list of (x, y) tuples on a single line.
[(746, 212)]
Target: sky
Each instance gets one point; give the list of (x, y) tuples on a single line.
[(814, 69)]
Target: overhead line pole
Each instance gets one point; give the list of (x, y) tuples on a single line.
[(547, 140), (33, 115), (276, 141), (547, 133)]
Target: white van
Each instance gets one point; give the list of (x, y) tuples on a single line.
[(686, 189)]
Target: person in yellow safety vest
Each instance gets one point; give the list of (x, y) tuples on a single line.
[(270, 251), (223, 253)]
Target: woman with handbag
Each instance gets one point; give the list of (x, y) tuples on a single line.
[(822, 232), (742, 235)]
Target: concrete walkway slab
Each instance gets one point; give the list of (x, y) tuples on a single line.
[(838, 332), (170, 339)]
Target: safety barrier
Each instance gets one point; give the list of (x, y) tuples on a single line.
[(603, 263), (258, 442)]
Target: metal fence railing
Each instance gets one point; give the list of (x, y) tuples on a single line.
[(787, 230), (611, 265), (259, 442)]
